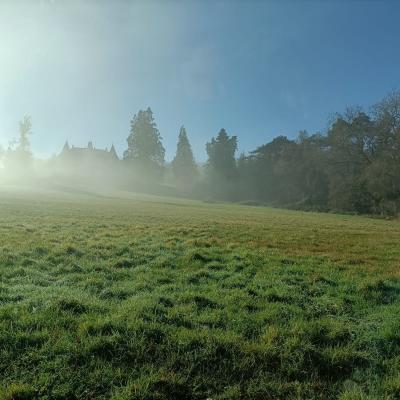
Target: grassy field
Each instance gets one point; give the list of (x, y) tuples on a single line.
[(139, 297)]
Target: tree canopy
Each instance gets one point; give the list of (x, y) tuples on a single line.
[(145, 147), (184, 165), (354, 166), (221, 165)]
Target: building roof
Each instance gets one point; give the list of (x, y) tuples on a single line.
[(88, 152)]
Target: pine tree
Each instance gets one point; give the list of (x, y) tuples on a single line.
[(221, 166), (221, 155), (145, 148), (184, 165)]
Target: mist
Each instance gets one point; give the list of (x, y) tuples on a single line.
[(199, 199), (194, 107), (351, 167), (83, 69)]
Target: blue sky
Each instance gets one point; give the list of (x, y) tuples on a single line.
[(82, 69)]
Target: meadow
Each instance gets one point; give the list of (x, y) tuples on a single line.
[(139, 297)]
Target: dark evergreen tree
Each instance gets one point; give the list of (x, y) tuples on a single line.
[(275, 171), (221, 154), (221, 166), (145, 149), (311, 167), (184, 165)]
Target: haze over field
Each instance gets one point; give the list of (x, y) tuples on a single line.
[(199, 200), (280, 103)]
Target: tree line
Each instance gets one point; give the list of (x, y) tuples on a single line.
[(352, 167)]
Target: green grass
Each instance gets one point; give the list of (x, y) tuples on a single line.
[(149, 298)]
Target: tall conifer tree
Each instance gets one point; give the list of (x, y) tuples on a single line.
[(145, 148), (184, 165)]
